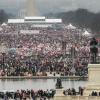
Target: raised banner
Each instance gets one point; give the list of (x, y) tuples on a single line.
[(30, 32)]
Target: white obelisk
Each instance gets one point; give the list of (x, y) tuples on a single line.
[(30, 8)]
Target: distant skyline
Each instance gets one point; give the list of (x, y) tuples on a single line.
[(51, 6)]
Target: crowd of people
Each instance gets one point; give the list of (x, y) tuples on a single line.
[(27, 94), (73, 91), (94, 93), (63, 51), (40, 94)]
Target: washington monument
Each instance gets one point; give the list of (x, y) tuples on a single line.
[(30, 8)]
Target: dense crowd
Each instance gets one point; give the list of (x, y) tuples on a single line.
[(63, 51), (27, 94), (73, 91), (94, 93), (40, 94)]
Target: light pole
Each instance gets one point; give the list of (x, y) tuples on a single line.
[(3, 60)]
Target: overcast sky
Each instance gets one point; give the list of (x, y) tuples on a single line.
[(46, 6)]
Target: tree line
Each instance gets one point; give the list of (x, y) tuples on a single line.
[(82, 18), (4, 16)]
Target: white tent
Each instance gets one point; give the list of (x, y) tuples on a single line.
[(86, 33), (70, 26), (4, 24), (73, 70)]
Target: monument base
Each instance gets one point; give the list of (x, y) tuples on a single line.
[(59, 92), (90, 88), (93, 83)]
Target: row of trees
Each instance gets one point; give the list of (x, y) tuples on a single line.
[(82, 18), (4, 16)]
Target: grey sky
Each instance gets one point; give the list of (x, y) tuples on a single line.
[(46, 6)]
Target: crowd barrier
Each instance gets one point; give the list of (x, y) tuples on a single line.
[(76, 98), (70, 98), (45, 77)]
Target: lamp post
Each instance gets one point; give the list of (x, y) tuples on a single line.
[(3, 60)]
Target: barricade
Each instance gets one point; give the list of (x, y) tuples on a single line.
[(74, 97), (83, 97), (92, 98)]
